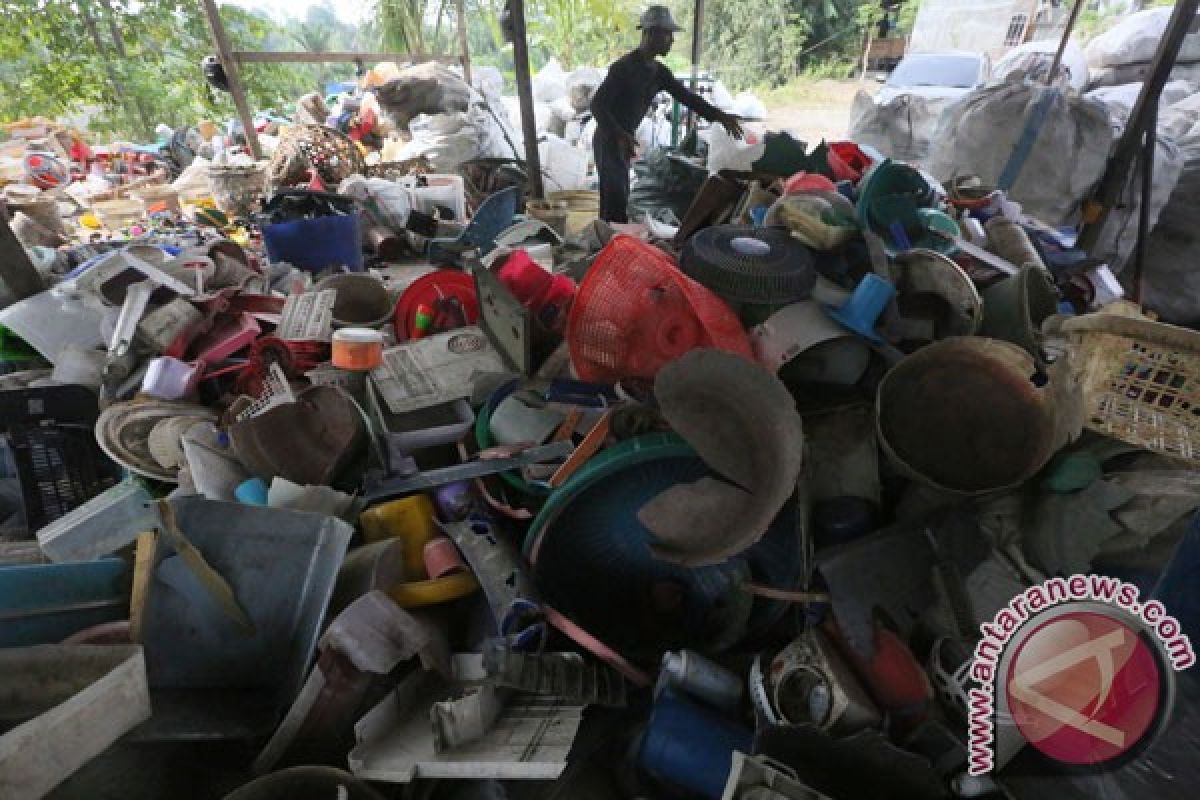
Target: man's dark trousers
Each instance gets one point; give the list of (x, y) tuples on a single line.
[(614, 179)]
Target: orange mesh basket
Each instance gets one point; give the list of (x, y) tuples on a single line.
[(635, 312)]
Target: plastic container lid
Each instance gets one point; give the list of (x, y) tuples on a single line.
[(358, 336)]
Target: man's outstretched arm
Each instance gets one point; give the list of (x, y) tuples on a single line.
[(674, 87)]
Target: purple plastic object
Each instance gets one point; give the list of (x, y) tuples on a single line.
[(453, 501)]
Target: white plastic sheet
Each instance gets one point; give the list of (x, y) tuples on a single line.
[(721, 98), (563, 167), (725, 152), (903, 128), (1135, 73), (1120, 231), (550, 82), (1176, 120), (1033, 59), (561, 112), (450, 139), (489, 82), (1134, 40), (543, 114), (386, 202), (1119, 100), (977, 136), (654, 132), (582, 85), (748, 106)]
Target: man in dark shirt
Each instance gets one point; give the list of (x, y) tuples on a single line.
[(623, 99)]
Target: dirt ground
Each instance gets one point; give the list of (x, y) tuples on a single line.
[(813, 110)]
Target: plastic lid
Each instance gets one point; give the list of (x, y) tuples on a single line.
[(358, 336), (443, 284), (748, 246)]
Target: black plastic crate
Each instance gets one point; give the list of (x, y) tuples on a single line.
[(60, 467), (51, 433)]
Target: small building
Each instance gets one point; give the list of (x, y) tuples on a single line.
[(985, 26)]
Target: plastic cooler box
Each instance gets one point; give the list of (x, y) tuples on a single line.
[(448, 191), (314, 244)]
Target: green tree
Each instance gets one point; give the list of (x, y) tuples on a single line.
[(744, 49), (582, 32), (139, 61), (402, 25)]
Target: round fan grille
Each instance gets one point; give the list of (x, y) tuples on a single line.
[(744, 264)]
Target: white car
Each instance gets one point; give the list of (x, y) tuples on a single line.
[(946, 76)]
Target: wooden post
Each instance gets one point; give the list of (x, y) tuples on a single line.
[(463, 46), (533, 162), (697, 41), (1140, 123), (866, 55), (16, 270), (328, 57), (1031, 22), (225, 54), (697, 54), (1062, 44)]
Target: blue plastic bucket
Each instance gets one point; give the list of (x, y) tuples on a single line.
[(314, 244), (691, 747)]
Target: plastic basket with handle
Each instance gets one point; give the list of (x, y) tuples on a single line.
[(1140, 381)]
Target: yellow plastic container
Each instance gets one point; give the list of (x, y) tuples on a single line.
[(410, 519), (432, 592)]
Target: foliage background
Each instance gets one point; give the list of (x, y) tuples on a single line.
[(138, 61)]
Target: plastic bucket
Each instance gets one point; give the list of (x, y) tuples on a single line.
[(237, 190), (967, 415), (115, 214), (567, 212), (362, 301), (314, 244), (690, 747), (1015, 308)]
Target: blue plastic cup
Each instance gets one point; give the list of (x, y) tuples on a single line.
[(252, 492), (866, 304)]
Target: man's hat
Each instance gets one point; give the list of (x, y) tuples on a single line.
[(658, 17)]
